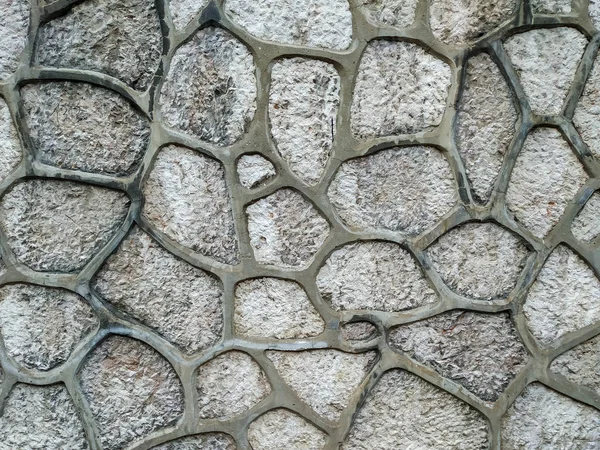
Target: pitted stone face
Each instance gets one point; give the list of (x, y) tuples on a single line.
[(254, 170), (587, 113), (281, 429), (13, 34), (10, 146), (394, 13), (580, 365), (586, 225), (206, 441)]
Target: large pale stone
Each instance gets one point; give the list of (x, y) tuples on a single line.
[(13, 34), (10, 146), (280, 429), (183, 11), (580, 364), (395, 13), (586, 226), (254, 170), (551, 6), (587, 114), (207, 441)]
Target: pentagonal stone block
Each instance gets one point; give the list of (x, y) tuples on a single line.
[(281, 429), (551, 6), (205, 441), (183, 11), (13, 35), (395, 13), (586, 226), (254, 170), (580, 364), (10, 146), (587, 113)]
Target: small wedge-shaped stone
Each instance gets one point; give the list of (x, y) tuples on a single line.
[(253, 170), (281, 429), (586, 226), (587, 113), (395, 13), (580, 364), (183, 11), (13, 34), (207, 441), (10, 146)]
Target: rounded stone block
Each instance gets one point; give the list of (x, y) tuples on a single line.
[(580, 364), (281, 429), (587, 113), (205, 441), (13, 34), (394, 13), (586, 226), (183, 11)]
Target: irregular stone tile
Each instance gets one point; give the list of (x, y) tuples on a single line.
[(586, 226), (404, 189), (229, 385), (358, 331), (186, 197), (541, 418), (546, 60), (312, 23), (580, 364), (594, 12), (545, 178), (275, 308), (587, 113), (183, 11), (54, 225), (121, 38), (485, 124), (254, 170), (206, 441), (551, 6), (285, 229), (395, 13), (280, 429), (303, 104), (399, 89), (324, 379), (13, 34), (10, 146), (479, 260), (210, 89), (564, 297), (181, 302), (404, 411), (373, 275), (84, 127), (131, 391), (40, 418)]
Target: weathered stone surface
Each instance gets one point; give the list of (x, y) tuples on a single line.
[(271, 307), (13, 34), (10, 146), (131, 390), (587, 113), (586, 226), (280, 429), (480, 351), (85, 127), (546, 60), (207, 441), (395, 13), (543, 419), (121, 38), (210, 90), (314, 23), (404, 189), (399, 89), (545, 178), (183, 11), (594, 12), (479, 260), (303, 105), (40, 418), (254, 170), (358, 331), (186, 197), (564, 297), (551, 6), (181, 302), (56, 225), (324, 379), (485, 124), (404, 411), (285, 229), (580, 364), (373, 275)]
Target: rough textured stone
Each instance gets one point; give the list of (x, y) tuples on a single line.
[(285, 229), (580, 364), (207, 441), (13, 34), (254, 170), (564, 297), (40, 418), (84, 127), (395, 13), (183, 11), (479, 260), (586, 225), (280, 429), (402, 189), (373, 275), (399, 89), (543, 419), (545, 178), (551, 6), (181, 302), (358, 331), (121, 38), (10, 146), (594, 12), (314, 23), (230, 384), (485, 124), (56, 225), (131, 390), (587, 113), (303, 105), (210, 90), (324, 379), (271, 307), (403, 411), (546, 60), (186, 197)]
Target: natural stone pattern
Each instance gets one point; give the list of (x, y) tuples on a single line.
[(121, 38), (564, 297), (186, 198), (485, 124), (594, 12), (373, 275), (13, 34), (280, 429), (580, 364), (207, 441), (403, 411), (358, 331), (183, 11), (480, 351), (395, 13), (210, 90), (303, 105), (545, 178), (181, 302), (404, 189), (275, 308), (10, 146), (84, 127), (131, 390), (285, 229), (546, 60), (40, 418), (314, 23), (230, 384), (254, 170), (399, 89), (586, 226), (587, 113), (551, 6), (479, 260), (542, 419), (324, 379), (56, 225)]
